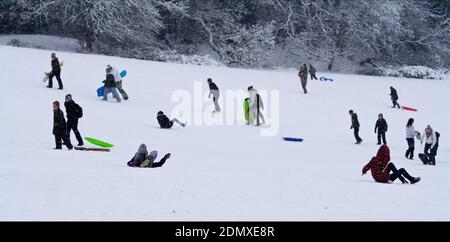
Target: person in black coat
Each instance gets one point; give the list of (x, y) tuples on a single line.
[(394, 98), (60, 128), (355, 126), (110, 86), (74, 112), (382, 127), (214, 92), (165, 122), (56, 72)]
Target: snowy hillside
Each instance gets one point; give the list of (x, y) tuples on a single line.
[(217, 172)]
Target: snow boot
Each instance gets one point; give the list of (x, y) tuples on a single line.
[(416, 180)]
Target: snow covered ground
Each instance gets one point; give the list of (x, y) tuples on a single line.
[(216, 172)]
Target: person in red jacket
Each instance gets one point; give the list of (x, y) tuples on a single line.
[(384, 171)]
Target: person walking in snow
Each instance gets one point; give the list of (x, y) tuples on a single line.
[(143, 160), (384, 171), (256, 105), (110, 85), (215, 93), (394, 98), (60, 128), (118, 80), (73, 112), (355, 126), (411, 134), (56, 72), (312, 72), (382, 127), (166, 123), (303, 74), (431, 144)]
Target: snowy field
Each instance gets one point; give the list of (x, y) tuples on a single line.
[(216, 172)]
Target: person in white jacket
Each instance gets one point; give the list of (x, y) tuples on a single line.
[(431, 143), (256, 104), (118, 80), (411, 134)]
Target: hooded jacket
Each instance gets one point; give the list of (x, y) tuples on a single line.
[(378, 165), (164, 121)]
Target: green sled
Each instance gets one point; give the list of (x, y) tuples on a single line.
[(247, 112), (98, 142)]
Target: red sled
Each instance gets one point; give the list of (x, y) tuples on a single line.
[(409, 109)]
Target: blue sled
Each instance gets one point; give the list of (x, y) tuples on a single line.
[(292, 139), (100, 91), (324, 79)]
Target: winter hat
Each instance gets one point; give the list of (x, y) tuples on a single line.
[(209, 80), (142, 149), (68, 97), (250, 88), (351, 111), (383, 151), (428, 130), (53, 55), (160, 113)]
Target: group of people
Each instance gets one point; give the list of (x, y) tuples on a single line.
[(61, 128), (303, 74), (113, 84), (382, 170)]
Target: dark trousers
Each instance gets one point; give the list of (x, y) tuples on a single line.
[(159, 164), (382, 135), (72, 124), (65, 138), (356, 133), (56, 74), (411, 146), (400, 174), (313, 76), (431, 153), (122, 92), (304, 81), (395, 103)]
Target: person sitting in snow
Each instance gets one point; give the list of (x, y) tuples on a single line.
[(384, 171), (165, 122), (431, 144), (394, 98), (143, 160), (110, 85)]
